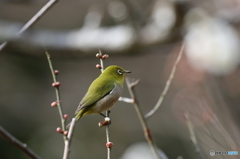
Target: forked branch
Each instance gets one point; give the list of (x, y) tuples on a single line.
[(131, 83)]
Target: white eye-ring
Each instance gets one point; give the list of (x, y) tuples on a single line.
[(119, 71)]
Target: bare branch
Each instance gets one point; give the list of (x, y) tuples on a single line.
[(69, 139), (18, 144), (57, 93), (192, 136), (146, 130), (101, 62), (32, 21), (67, 136), (108, 144), (168, 83), (108, 136)]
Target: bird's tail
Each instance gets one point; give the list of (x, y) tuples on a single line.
[(79, 115)]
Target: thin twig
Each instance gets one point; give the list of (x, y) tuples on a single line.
[(107, 115), (143, 122), (168, 83), (108, 137), (18, 144), (69, 139), (101, 62), (192, 136), (32, 21), (57, 93)]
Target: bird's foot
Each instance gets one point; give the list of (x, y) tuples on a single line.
[(103, 115)]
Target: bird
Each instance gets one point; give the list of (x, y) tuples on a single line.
[(103, 92)]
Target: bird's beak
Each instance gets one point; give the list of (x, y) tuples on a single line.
[(127, 71)]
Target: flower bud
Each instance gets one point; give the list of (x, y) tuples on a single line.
[(56, 72), (65, 116), (56, 84), (98, 66), (109, 144), (105, 56), (59, 130), (65, 133), (100, 124), (54, 104), (107, 119), (98, 55)]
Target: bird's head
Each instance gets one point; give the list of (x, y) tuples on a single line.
[(116, 73)]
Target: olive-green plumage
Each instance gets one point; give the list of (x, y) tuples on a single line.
[(103, 93)]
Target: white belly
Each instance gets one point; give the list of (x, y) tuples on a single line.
[(108, 101)]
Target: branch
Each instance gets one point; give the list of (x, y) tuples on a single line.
[(108, 144), (56, 86), (127, 35), (18, 144), (67, 135), (107, 121), (101, 61), (32, 21), (69, 139), (146, 130), (168, 83)]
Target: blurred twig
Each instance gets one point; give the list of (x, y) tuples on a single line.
[(69, 139), (168, 83), (32, 21), (221, 129), (148, 136), (57, 93), (134, 101), (108, 137), (18, 144), (193, 137)]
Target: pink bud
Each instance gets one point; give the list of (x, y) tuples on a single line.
[(100, 124), (54, 104), (98, 66), (65, 133), (56, 72), (59, 130), (98, 55), (109, 144), (105, 56), (56, 84), (65, 116)]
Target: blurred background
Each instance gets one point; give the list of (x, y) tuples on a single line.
[(143, 36)]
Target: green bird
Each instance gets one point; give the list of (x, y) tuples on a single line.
[(103, 93)]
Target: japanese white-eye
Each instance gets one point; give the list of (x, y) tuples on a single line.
[(103, 93)]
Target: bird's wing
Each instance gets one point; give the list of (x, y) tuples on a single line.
[(94, 94)]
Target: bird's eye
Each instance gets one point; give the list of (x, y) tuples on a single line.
[(119, 72)]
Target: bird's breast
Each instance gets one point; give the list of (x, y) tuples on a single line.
[(109, 100)]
